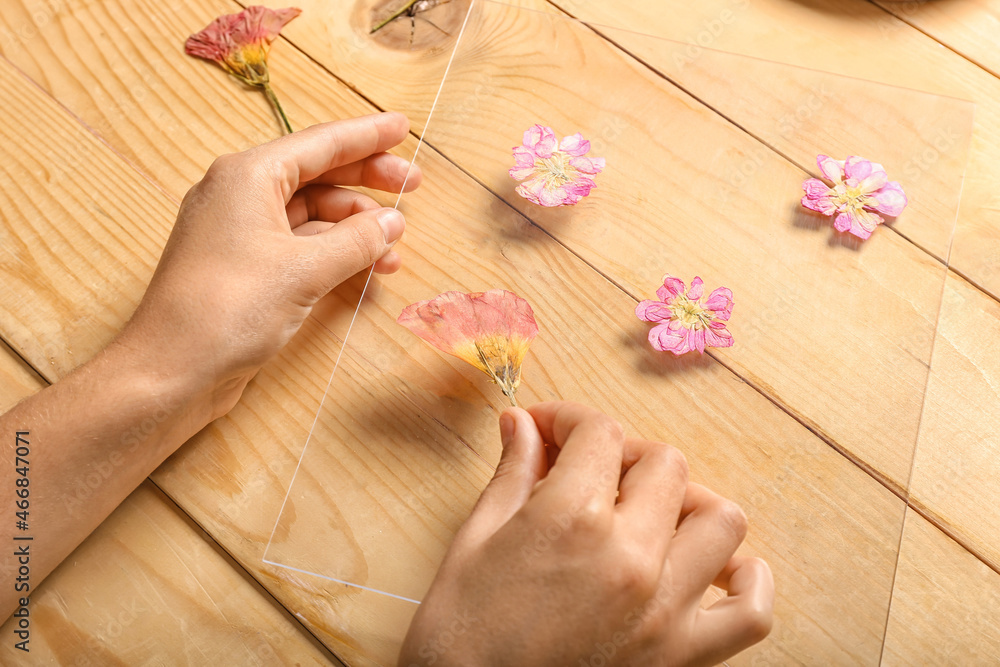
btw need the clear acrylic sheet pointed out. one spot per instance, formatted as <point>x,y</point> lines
<point>705,161</point>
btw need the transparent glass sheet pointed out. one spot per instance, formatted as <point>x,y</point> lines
<point>703,177</point>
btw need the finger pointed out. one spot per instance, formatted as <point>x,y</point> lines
<point>326,203</point>
<point>741,619</point>
<point>590,448</point>
<point>389,263</point>
<point>382,171</point>
<point>309,153</point>
<point>353,244</point>
<point>710,531</point>
<point>522,463</point>
<point>652,493</point>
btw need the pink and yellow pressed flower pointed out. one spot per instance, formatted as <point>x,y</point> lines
<point>490,330</point>
<point>554,173</point>
<point>861,190</point>
<point>239,44</point>
<point>686,322</point>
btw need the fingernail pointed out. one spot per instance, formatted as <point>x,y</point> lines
<point>392,224</point>
<point>507,426</point>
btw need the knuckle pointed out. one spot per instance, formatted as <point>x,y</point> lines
<point>592,517</point>
<point>757,621</point>
<point>638,574</point>
<point>732,517</point>
<point>224,164</point>
<point>366,242</point>
<point>611,427</point>
<point>672,461</point>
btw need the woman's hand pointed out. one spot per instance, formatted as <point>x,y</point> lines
<point>601,558</point>
<point>259,240</point>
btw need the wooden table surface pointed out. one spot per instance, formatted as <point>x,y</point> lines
<point>871,482</point>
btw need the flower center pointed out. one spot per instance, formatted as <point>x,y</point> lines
<point>690,313</point>
<point>851,199</point>
<point>557,168</point>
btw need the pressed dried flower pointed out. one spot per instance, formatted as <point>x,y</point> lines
<point>490,330</point>
<point>861,190</point>
<point>686,322</point>
<point>239,44</point>
<point>554,173</point>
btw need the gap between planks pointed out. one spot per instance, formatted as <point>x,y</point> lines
<point>900,15</point>
<point>891,487</point>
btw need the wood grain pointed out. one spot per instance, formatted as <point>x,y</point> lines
<point>44,253</point>
<point>852,38</point>
<point>795,306</point>
<point>236,469</point>
<point>149,587</point>
<point>178,590</point>
<point>956,470</point>
<point>936,574</point>
<point>828,529</point>
<point>670,215</point>
<point>968,27</point>
<point>17,379</point>
<point>120,66</point>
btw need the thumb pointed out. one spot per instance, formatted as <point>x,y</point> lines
<point>522,464</point>
<point>356,242</point>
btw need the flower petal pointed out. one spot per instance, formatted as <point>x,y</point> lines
<point>866,222</point>
<point>490,330</point>
<point>652,311</point>
<point>859,223</point>
<point>832,169</point>
<point>574,145</point>
<point>541,140</point>
<point>844,221</point>
<point>255,26</point>
<point>815,188</point>
<point>558,196</point>
<point>671,288</point>
<point>873,182</point>
<point>697,289</point>
<point>891,199</point>
<point>587,165</point>
<point>718,337</point>
<point>857,168</point>
<point>721,302</point>
<point>665,339</point>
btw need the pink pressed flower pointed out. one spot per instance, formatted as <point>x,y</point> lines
<point>239,44</point>
<point>861,190</point>
<point>554,173</point>
<point>490,330</point>
<point>685,322</point>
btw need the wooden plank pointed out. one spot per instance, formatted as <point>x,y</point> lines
<point>17,379</point>
<point>167,112</point>
<point>794,347</point>
<point>811,335</point>
<point>149,587</point>
<point>968,27</point>
<point>179,588</point>
<point>853,38</point>
<point>814,514</point>
<point>956,471</point>
<point>935,573</point>
<point>94,270</point>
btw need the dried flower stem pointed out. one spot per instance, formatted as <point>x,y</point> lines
<point>395,15</point>
<point>277,105</point>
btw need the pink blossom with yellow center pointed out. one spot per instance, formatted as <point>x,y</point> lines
<point>861,190</point>
<point>490,330</point>
<point>685,321</point>
<point>554,173</point>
